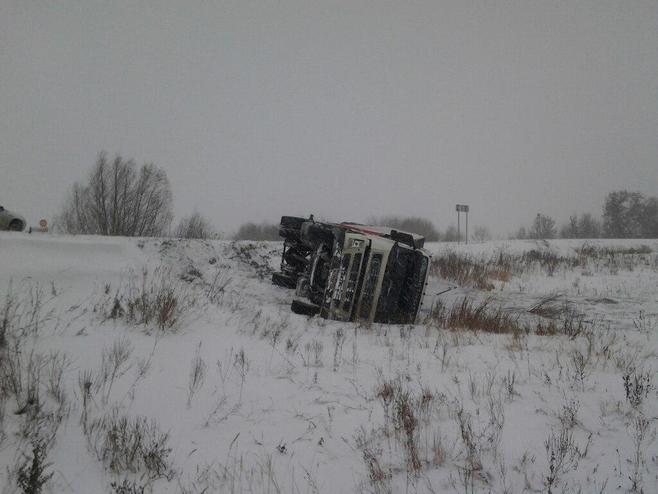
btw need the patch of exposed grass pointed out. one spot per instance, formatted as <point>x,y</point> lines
<point>153,299</point>
<point>466,270</point>
<point>483,316</point>
<point>482,272</point>
<point>127,444</point>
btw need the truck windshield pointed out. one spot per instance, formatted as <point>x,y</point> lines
<point>402,287</point>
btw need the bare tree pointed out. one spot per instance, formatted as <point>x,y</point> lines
<point>630,215</point>
<point>195,226</point>
<point>583,226</point>
<point>570,229</point>
<point>119,199</point>
<point>451,234</point>
<point>622,213</point>
<point>412,224</point>
<point>649,218</point>
<point>588,226</point>
<point>521,234</point>
<point>543,227</point>
<point>481,234</point>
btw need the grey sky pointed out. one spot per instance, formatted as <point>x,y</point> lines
<point>344,109</point>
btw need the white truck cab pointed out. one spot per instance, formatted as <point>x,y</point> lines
<point>351,272</point>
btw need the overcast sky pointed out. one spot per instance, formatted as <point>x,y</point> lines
<point>343,109</point>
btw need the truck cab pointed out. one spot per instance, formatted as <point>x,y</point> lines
<point>352,272</point>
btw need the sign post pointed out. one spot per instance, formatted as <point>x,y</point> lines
<point>459,236</point>
<point>461,208</point>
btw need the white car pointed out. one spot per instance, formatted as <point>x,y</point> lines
<point>11,221</point>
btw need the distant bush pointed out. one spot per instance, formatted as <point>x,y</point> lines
<point>521,234</point>
<point>253,231</point>
<point>451,234</point>
<point>630,215</point>
<point>543,227</point>
<point>119,199</point>
<point>626,214</point>
<point>195,226</point>
<point>583,226</point>
<point>412,224</point>
<point>481,234</point>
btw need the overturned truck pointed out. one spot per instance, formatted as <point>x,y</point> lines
<point>353,272</point>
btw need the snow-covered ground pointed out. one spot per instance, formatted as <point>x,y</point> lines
<point>238,394</point>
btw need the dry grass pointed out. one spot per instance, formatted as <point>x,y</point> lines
<point>468,271</point>
<point>482,272</point>
<point>469,315</point>
<point>153,299</point>
<point>125,444</point>
<point>31,384</point>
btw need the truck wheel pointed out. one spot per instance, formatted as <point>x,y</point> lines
<point>296,258</point>
<point>319,234</point>
<point>290,227</point>
<point>280,279</point>
<point>304,308</point>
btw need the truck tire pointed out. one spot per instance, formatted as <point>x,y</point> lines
<point>296,258</point>
<point>304,308</point>
<point>283,280</point>
<point>290,227</point>
<point>315,234</point>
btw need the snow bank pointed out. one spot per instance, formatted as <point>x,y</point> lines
<point>283,403</point>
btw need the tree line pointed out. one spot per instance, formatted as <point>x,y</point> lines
<point>118,197</point>
<point>625,214</point>
<point>121,198</point>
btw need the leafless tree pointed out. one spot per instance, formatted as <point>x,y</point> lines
<point>630,215</point>
<point>195,226</point>
<point>583,226</point>
<point>411,224</point>
<point>451,234</point>
<point>543,227</point>
<point>481,234</point>
<point>119,199</point>
<point>570,229</point>
<point>521,234</point>
<point>588,226</point>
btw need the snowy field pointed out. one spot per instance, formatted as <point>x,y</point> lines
<point>167,366</point>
